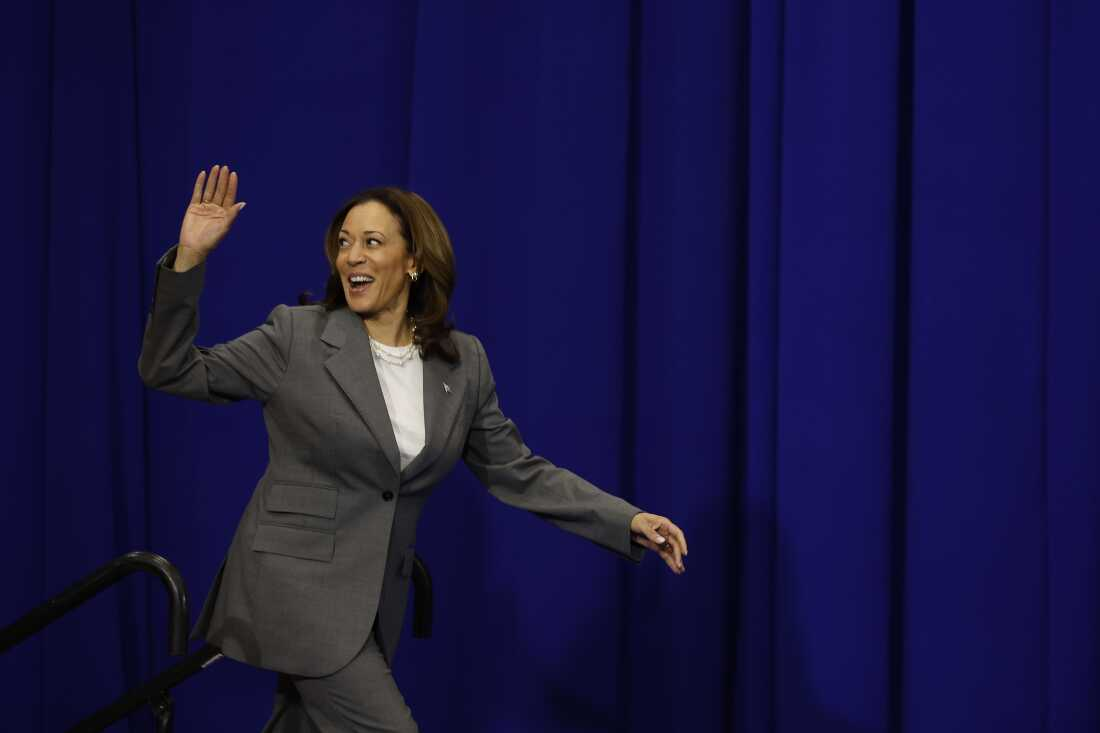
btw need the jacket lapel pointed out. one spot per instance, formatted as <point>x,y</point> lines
<point>352,366</point>
<point>444,386</point>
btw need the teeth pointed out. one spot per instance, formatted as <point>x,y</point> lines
<point>360,279</point>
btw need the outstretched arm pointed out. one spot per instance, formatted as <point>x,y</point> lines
<point>497,455</point>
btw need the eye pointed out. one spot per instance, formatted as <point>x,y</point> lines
<point>342,243</point>
<point>374,242</point>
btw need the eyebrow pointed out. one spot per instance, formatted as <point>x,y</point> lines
<point>366,231</point>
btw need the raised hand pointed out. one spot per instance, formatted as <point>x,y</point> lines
<point>659,534</point>
<point>209,216</point>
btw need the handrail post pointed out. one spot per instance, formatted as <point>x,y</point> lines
<point>163,709</point>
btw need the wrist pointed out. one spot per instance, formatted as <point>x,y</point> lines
<point>186,258</point>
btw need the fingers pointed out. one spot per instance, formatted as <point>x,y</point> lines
<point>665,552</point>
<point>648,544</point>
<point>211,184</point>
<point>662,535</point>
<point>648,525</point>
<point>223,186</point>
<point>231,192</point>
<point>674,561</point>
<point>673,533</point>
<point>670,550</point>
<point>196,193</point>
<point>677,536</point>
<point>219,188</point>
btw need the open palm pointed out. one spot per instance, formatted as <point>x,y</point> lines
<point>212,210</point>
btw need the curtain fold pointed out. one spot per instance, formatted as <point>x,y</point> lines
<point>814,279</point>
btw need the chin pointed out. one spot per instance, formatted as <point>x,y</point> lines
<point>363,313</point>
<point>358,305</point>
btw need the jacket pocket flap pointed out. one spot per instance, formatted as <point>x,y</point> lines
<point>316,501</point>
<point>308,544</point>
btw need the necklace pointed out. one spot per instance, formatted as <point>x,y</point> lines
<point>397,355</point>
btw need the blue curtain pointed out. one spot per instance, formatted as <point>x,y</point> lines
<point>817,279</point>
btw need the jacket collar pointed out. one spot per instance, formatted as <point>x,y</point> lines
<point>352,366</point>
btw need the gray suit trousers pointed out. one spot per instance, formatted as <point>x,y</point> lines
<point>361,696</point>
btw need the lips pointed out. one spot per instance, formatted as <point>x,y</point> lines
<point>359,282</point>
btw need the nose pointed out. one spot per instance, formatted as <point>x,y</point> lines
<point>356,255</point>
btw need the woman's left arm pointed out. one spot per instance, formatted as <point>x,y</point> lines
<point>497,455</point>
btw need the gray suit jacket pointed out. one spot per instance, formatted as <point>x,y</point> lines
<point>326,541</point>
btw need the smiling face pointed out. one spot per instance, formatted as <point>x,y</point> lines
<point>373,262</point>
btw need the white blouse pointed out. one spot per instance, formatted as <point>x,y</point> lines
<point>403,388</point>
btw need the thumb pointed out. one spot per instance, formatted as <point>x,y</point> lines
<point>237,208</point>
<point>650,529</point>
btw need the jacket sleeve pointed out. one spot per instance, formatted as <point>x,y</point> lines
<point>249,367</point>
<point>497,455</point>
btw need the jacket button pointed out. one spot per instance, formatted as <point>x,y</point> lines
<point>387,495</point>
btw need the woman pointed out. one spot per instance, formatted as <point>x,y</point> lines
<point>369,400</point>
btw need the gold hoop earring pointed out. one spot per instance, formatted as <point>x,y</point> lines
<point>413,275</point>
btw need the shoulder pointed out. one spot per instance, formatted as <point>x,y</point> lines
<point>471,355</point>
<point>302,314</point>
<point>470,350</point>
<point>297,320</point>
<point>316,311</point>
<point>298,311</point>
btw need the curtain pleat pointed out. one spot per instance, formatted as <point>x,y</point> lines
<point>816,280</point>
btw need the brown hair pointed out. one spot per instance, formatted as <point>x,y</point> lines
<point>427,241</point>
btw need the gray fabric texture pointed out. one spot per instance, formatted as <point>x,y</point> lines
<point>325,543</point>
<point>362,696</point>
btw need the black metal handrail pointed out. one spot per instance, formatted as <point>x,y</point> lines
<point>155,692</point>
<point>95,583</point>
